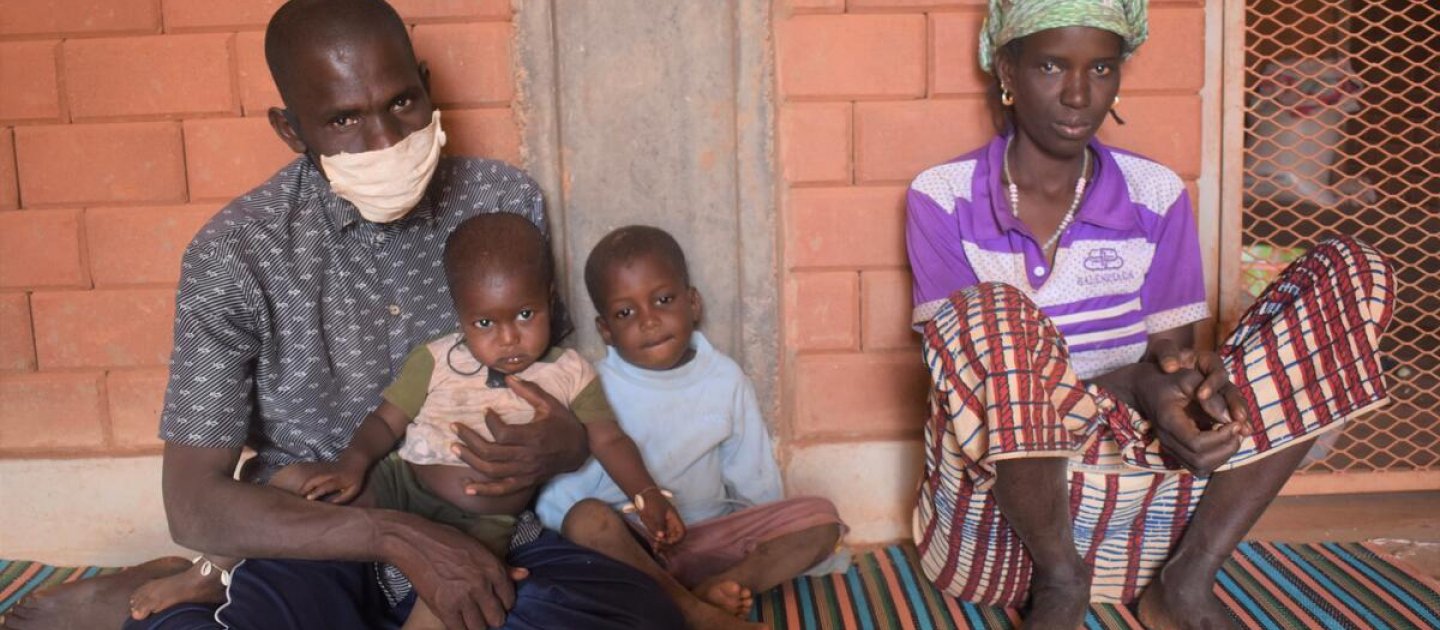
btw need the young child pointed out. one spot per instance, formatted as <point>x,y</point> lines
<point>698,423</point>
<point>501,281</point>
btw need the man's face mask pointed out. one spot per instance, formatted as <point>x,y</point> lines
<point>386,184</point>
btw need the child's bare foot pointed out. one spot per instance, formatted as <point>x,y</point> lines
<point>1183,600</point>
<point>187,587</point>
<point>702,616</point>
<point>94,603</point>
<point>727,595</point>
<point>1059,598</point>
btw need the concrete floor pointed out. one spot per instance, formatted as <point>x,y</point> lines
<point>1405,524</point>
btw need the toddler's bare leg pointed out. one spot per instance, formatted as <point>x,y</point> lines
<point>593,524</point>
<point>771,563</point>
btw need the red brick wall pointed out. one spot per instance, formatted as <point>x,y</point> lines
<point>871,93</point>
<point>124,124</point>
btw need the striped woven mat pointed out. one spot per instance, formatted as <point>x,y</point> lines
<point>1266,585</point>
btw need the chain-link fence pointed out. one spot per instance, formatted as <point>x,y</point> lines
<point>1342,137</point>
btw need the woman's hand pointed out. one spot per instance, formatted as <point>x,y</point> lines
<point>1200,437</point>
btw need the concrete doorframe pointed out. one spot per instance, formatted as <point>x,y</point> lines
<point>648,111</point>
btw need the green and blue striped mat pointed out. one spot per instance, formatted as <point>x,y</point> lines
<point>1266,585</point>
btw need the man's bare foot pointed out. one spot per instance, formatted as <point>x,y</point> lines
<point>1059,599</point>
<point>727,595</point>
<point>1177,600</point>
<point>702,616</point>
<point>187,587</point>
<point>101,602</point>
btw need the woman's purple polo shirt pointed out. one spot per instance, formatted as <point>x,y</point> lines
<point>1128,266</point>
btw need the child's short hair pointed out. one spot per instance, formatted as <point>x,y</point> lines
<point>496,243</point>
<point>627,244</point>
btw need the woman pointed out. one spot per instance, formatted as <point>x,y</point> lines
<point>1074,429</point>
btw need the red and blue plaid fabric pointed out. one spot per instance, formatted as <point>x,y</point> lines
<point>1305,356</point>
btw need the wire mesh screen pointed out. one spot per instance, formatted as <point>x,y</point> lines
<point>1342,138</point>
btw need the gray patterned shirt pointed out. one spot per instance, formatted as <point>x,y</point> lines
<point>293,312</point>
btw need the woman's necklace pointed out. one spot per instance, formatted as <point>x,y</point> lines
<point>1074,203</point>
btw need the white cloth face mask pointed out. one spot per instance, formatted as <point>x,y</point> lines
<point>386,184</point>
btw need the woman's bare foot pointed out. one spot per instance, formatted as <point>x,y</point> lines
<point>727,595</point>
<point>101,602</point>
<point>1183,600</point>
<point>1059,598</point>
<point>187,587</point>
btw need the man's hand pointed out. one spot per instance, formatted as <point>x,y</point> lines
<point>523,455</point>
<point>1200,436</point>
<point>464,584</point>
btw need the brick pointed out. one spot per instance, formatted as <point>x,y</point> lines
<point>257,89</point>
<point>27,70</point>
<point>140,245</point>
<point>470,64</point>
<point>103,328</point>
<point>41,249</point>
<point>885,299</point>
<point>811,6</point>
<point>867,394</point>
<point>1177,64</point>
<point>822,310</point>
<point>136,398</point>
<point>845,227</point>
<point>224,157</point>
<point>489,133</point>
<point>98,163</point>
<point>146,76</point>
<point>1163,128</point>
<point>954,40</point>
<point>891,5</point>
<point>9,184</point>
<point>208,14</point>
<point>51,411</point>
<point>895,141</point>
<point>76,17</point>
<point>845,56</point>
<point>815,142</point>
<point>417,10</point>
<point>17,338</point>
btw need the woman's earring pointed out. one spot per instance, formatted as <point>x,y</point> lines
<point>1116,101</point>
<point>1006,98</point>
<point>1113,113</point>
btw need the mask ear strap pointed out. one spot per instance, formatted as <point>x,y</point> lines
<point>450,358</point>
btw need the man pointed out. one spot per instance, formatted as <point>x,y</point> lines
<point>297,304</point>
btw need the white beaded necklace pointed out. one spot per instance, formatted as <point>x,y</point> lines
<point>1074,203</point>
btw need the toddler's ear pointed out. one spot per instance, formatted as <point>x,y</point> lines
<point>604,330</point>
<point>697,305</point>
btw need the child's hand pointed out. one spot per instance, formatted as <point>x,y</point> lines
<point>334,482</point>
<point>662,521</point>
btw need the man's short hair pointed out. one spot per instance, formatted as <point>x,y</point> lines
<point>627,244</point>
<point>300,26</point>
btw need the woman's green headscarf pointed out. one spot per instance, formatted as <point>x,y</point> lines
<point>1012,19</point>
